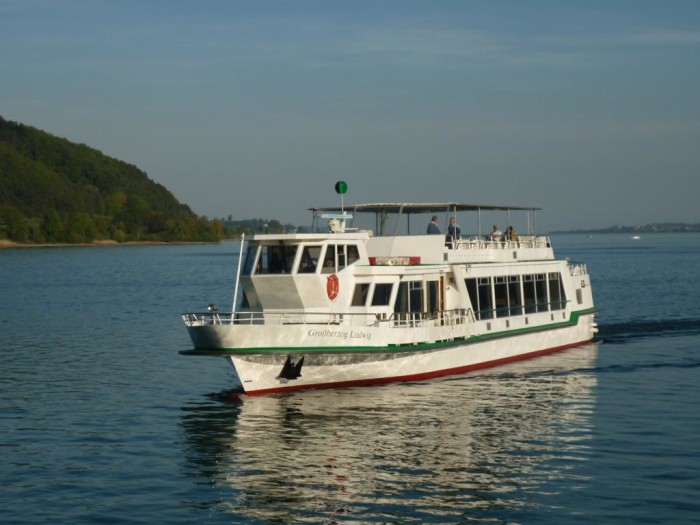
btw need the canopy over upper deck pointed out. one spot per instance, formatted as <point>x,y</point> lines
<point>383,210</point>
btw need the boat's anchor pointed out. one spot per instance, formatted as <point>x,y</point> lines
<point>291,370</point>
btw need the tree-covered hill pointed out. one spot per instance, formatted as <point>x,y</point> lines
<point>52,190</point>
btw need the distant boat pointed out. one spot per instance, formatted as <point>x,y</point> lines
<point>635,237</point>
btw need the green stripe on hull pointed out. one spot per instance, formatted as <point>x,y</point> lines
<point>410,347</point>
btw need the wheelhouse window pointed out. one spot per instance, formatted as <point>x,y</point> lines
<point>250,257</point>
<point>353,254</point>
<point>329,259</point>
<point>276,259</point>
<point>309,259</point>
<point>339,256</point>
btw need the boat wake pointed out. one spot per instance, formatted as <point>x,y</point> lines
<point>620,333</point>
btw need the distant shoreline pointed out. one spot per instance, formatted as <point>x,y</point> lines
<point>7,244</point>
<point>655,227</point>
<point>620,232</point>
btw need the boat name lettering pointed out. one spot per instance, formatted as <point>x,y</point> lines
<point>344,334</point>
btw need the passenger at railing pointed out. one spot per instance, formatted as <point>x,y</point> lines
<point>453,232</point>
<point>511,235</point>
<point>453,229</point>
<point>433,228</point>
<point>496,233</point>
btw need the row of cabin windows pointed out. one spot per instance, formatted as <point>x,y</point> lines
<point>409,297</point>
<point>281,258</point>
<point>510,295</point>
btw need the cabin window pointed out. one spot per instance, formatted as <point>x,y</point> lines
<point>433,296</point>
<point>557,297</point>
<point>409,298</point>
<point>480,296</point>
<point>359,295</point>
<point>501,293</point>
<point>541,292</point>
<point>309,259</point>
<point>382,294</point>
<point>473,292</point>
<point>535,293</point>
<point>277,258</point>
<point>529,294</point>
<point>514,296</point>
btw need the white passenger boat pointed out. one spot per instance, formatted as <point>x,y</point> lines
<point>359,307</point>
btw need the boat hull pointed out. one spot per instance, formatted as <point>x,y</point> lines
<point>284,370</point>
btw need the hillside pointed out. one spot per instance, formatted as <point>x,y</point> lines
<point>54,191</point>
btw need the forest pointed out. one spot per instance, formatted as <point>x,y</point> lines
<point>56,191</point>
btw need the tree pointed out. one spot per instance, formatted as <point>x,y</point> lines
<point>49,182</point>
<point>52,226</point>
<point>14,223</point>
<point>81,228</point>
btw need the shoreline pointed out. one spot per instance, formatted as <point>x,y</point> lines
<point>7,244</point>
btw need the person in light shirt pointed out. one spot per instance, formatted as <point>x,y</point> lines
<point>496,233</point>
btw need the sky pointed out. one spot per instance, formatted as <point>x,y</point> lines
<point>254,109</point>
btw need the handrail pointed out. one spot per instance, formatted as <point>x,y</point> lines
<point>410,319</point>
<point>576,268</point>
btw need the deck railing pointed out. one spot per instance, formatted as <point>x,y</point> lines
<point>577,268</point>
<point>481,243</point>
<point>395,320</point>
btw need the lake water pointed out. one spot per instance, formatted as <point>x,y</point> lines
<point>101,421</point>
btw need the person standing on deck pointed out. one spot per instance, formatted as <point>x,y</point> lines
<point>453,230</point>
<point>433,228</point>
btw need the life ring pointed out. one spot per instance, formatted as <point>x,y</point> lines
<point>332,287</point>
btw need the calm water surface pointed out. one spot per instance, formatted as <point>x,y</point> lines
<point>101,421</point>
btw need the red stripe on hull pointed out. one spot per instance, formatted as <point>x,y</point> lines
<point>419,377</point>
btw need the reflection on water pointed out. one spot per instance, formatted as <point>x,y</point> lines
<point>430,452</point>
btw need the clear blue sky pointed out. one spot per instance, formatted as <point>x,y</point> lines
<point>590,110</point>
